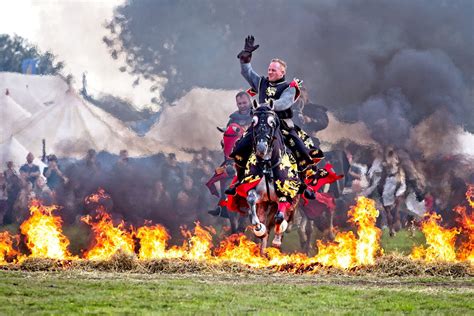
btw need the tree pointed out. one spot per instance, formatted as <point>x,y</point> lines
<point>15,49</point>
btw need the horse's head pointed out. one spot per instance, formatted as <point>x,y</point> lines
<point>231,134</point>
<point>265,126</point>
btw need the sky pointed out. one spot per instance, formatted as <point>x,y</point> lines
<point>73,31</point>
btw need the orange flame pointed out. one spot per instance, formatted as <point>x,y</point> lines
<point>153,242</point>
<point>440,241</point>
<point>108,238</point>
<point>237,248</point>
<point>44,236</point>
<point>466,220</point>
<point>6,247</point>
<point>348,251</point>
<point>96,197</point>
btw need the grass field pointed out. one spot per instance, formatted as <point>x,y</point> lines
<point>76,291</point>
<point>103,292</point>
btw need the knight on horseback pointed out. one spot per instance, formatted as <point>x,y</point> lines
<point>275,88</point>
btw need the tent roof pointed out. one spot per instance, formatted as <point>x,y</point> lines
<point>69,124</point>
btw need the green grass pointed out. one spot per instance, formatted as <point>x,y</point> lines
<point>81,292</point>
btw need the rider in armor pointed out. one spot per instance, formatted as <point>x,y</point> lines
<point>284,95</point>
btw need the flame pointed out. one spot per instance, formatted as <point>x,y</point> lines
<point>153,242</point>
<point>348,251</point>
<point>96,197</point>
<point>364,215</point>
<point>200,242</point>
<point>44,236</point>
<point>466,220</point>
<point>440,241</point>
<point>6,247</point>
<point>341,253</point>
<point>109,239</point>
<point>238,248</point>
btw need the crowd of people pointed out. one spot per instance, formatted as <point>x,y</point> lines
<point>160,188</point>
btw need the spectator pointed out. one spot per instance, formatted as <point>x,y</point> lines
<point>43,192</point>
<point>3,197</point>
<point>187,202</point>
<point>30,170</point>
<point>54,176</point>
<point>14,185</point>
<point>20,207</point>
<point>160,203</point>
<point>172,175</point>
<point>91,161</point>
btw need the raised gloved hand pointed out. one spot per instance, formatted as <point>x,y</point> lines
<point>246,54</point>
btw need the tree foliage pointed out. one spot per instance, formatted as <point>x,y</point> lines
<point>15,49</point>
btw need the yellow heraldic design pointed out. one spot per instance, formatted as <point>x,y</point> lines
<point>309,143</point>
<point>289,187</point>
<point>271,91</point>
<point>251,162</point>
<point>302,134</point>
<point>251,178</point>
<point>288,162</point>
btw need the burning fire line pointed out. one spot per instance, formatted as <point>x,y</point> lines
<point>44,239</point>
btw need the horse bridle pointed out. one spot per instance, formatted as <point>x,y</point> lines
<point>270,136</point>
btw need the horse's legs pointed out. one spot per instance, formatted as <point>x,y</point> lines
<point>330,232</point>
<point>241,224</point>
<point>388,212</point>
<point>281,218</point>
<point>259,228</point>
<point>308,231</point>
<point>396,218</point>
<point>233,218</point>
<point>300,222</point>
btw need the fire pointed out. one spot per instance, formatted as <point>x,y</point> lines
<point>153,242</point>
<point>97,197</point>
<point>440,241</point>
<point>238,248</point>
<point>200,242</point>
<point>364,215</point>
<point>6,247</point>
<point>44,236</point>
<point>348,251</point>
<point>109,239</point>
<point>466,220</point>
<point>341,253</point>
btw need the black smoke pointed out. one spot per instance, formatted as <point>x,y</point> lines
<point>352,55</point>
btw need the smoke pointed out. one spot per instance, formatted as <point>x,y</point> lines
<point>347,52</point>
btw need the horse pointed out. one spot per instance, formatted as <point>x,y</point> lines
<point>224,175</point>
<point>269,193</point>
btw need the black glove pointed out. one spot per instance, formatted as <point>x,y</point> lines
<point>246,54</point>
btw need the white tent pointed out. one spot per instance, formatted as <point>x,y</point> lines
<point>12,150</point>
<point>69,125</point>
<point>191,122</point>
<point>10,114</point>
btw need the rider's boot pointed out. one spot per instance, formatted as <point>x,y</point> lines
<point>282,209</point>
<point>232,190</point>
<point>215,212</point>
<point>307,192</point>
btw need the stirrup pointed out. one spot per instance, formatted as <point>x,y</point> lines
<point>309,194</point>
<point>215,212</point>
<point>231,190</point>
